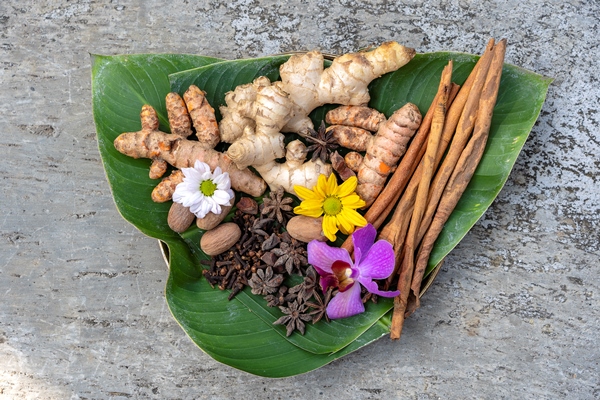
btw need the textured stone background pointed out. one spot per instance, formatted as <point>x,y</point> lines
<point>513,314</point>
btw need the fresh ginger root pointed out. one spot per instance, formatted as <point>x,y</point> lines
<point>257,113</point>
<point>344,82</point>
<point>385,149</point>
<point>176,150</point>
<point>295,171</point>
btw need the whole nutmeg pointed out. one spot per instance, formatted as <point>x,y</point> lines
<point>220,239</point>
<point>211,220</point>
<point>180,218</point>
<point>305,228</point>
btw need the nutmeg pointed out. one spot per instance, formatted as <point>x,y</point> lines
<point>220,239</point>
<point>180,218</point>
<point>211,220</point>
<point>305,228</point>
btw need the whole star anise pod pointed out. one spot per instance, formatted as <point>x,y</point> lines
<point>310,283</point>
<point>293,256</point>
<point>295,315</point>
<point>277,206</point>
<point>322,143</point>
<point>264,282</point>
<point>319,307</point>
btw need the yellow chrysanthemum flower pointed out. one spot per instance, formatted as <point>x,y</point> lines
<point>337,204</point>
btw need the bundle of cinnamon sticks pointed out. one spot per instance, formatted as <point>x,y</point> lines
<point>434,173</point>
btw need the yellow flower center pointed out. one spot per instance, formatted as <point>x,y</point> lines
<point>332,206</point>
<point>208,188</point>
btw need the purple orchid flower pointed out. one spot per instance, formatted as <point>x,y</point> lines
<point>336,268</point>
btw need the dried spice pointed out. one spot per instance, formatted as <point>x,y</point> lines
<point>281,298</point>
<point>322,143</point>
<point>277,206</point>
<point>295,315</point>
<point>319,307</point>
<point>310,283</point>
<point>291,255</point>
<point>264,282</point>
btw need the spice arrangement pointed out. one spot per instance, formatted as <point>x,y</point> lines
<point>316,222</point>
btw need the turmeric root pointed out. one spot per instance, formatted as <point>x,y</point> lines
<point>353,160</point>
<point>351,137</point>
<point>359,116</point>
<point>384,151</point>
<point>176,150</point>
<point>164,190</point>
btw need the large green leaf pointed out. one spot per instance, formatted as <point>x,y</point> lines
<point>239,332</point>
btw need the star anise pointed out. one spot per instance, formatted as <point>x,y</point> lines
<point>280,298</point>
<point>322,142</point>
<point>277,206</point>
<point>295,315</point>
<point>307,289</point>
<point>292,255</point>
<point>319,307</point>
<point>264,282</point>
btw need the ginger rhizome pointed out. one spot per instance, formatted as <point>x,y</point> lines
<point>257,113</point>
<point>176,149</point>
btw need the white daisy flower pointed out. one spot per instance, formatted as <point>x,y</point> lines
<point>203,191</point>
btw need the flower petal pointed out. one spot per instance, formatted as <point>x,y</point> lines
<point>330,227</point>
<point>344,224</point>
<point>346,304</point>
<point>314,213</point>
<point>332,185</point>
<point>363,239</point>
<point>372,288</point>
<point>346,188</point>
<point>354,217</point>
<point>312,205</point>
<point>378,262</point>
<point>306,194</point>
<point>322,256</point>
<point>353,201</point>
<point>221,197</point>
<point>201,167</point>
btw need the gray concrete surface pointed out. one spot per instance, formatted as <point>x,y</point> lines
<point>513,314</point>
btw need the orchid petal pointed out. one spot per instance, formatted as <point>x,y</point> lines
<point>378,262</point>
<point>327,281</point>
<point>372,287</point>
<point>346,304</point>
<point>363,239</point>
<point>322,256</point>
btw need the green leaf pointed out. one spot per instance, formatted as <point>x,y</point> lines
<point>240,332</point>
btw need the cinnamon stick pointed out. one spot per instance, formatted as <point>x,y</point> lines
<point>395,231</point>
<point>463,127</point>
<point>407,266</point>
<point>465,167</point>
